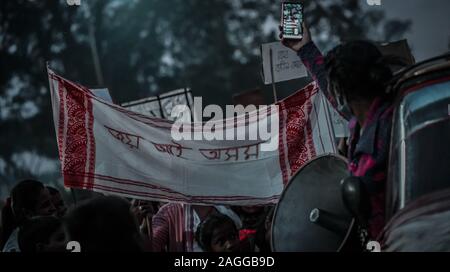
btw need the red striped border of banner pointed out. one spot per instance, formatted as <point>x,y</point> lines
<point>85,159</point>
<point>169,198</point>
<point>289,149</point>
<point>164,191</point>
<point>78,152</point>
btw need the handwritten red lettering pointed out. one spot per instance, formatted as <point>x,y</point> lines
<point>126,138</point>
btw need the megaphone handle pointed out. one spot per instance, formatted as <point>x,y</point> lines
<point>329,221</point>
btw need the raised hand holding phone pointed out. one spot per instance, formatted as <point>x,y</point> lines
<point>296,45</point>
<point>294,33</point>
<point>292,19</point>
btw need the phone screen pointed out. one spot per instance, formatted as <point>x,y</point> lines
<point>292,18</point>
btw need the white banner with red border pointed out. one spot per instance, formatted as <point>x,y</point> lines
<point>109,149</point>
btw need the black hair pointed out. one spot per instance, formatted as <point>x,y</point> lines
<point>104,223</point>
<point>53,191</point>
<point>37,230</point>
<point>251,220</point>
<point>60,205</point>
<point>24,197</point>
<point>358,71</point>
<point>205,230</point>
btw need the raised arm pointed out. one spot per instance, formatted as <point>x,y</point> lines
<point>313,60</point>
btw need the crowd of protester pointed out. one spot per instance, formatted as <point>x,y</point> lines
<point>35,218</point>
<point>353,76</point>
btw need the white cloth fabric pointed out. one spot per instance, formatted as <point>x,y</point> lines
<point>108,149</point>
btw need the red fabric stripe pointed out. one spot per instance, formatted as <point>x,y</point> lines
<point>143,184</point>
<point>205,200</point>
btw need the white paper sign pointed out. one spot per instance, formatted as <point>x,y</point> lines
<point>285,63</point>
<point>150,107</point>
<point>162,108</point>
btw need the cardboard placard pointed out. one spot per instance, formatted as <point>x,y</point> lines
<point>284,63</point>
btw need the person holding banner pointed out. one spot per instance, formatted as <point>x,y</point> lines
<point>353,76</point>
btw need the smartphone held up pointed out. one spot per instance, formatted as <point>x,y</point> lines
<point>291,20</point>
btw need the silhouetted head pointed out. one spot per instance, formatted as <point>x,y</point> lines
<point>358,72</point>
<point>218,233</point>
<point>252,216</point>
<point>57,201</point>
<point>42,234</point>
<point>28,198</point>
<point>102,224</point>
